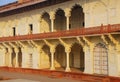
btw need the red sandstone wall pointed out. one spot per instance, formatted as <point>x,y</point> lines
<point>21,1</point>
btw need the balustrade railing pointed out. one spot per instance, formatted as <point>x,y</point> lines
<point>66,33</point>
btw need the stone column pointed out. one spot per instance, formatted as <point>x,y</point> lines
<point>10,57</point>
<point>52,18</point>
<point>91,59</point>
<point>52,50</point>
<point>67,50</point>
<point>16,51</point>
<point>67,14</point>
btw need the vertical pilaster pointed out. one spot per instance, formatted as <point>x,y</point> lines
<point>87,59</point>
<point>92,58</point>
<point>39,56</point>
<point>52,18</point>
<point>112,61</point>
<point>118,58</point>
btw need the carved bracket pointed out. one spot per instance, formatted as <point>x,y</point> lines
<point>47,42</point>
<point>113,39</point>
<point>5,45</point>
<point>52,47</point>
<point>2,47</point>
<point>13,45</point>
<point>29,42</point>
<point>104,39</point>
<point>67,46</point>
<point>63,42</point>
<point>80,41</point>
<point>21,44</point>
<point>87,41</point>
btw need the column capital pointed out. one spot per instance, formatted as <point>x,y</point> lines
<point>10,50</point>
<point>52,49</point>
<point>113,39</point>
<point>67,49</point>
<point>16,49</point>
<point>52,15</point>
<point>67,12</point>
<point>87,41</point>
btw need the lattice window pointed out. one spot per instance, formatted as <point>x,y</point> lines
<point>100,59</point>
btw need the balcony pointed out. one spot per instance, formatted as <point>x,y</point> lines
<point>67,33</point>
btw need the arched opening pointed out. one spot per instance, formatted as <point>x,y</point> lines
<point>45,23</point>
<point>60,20</point>
<point>60,57</point>
<point>20,58</point>
<point>100,59</point>
<point>13,57</point>
<point>77,57</point>
<point>77,17</point>
<point>46,57</point>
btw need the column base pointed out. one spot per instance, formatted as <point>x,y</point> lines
<point>67,70</point>
<point>52,68</point>
<point>10,65</point>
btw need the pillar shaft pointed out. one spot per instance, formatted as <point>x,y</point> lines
<point>68,22</point>
<point>52,17</point>
<point>52,50</point>
<point>67,14</point>
<point>52,61</point>
<point>52,25</point>
<point>67,50</point>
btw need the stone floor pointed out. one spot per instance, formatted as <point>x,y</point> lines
<point>20,77</point>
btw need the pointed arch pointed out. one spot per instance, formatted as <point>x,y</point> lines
<point>45,22</point>
<point>60,56</point>
<point>60,20</point>
<point>77,17</point>
<point>77,57</point>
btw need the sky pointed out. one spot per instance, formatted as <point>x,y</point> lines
<point>3,2</point>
